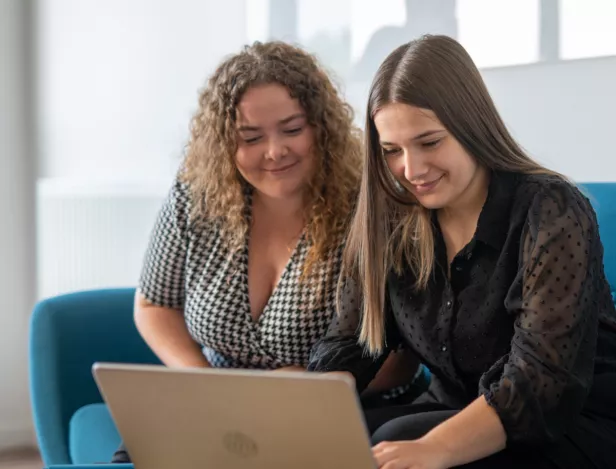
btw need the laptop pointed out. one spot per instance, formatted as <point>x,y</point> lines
<point>228,419</point>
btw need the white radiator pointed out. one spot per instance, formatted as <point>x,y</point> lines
<point>92,235</point>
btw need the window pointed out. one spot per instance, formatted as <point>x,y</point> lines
<point>587,28</point>
<point>499,33</point>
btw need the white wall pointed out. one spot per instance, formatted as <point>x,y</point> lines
<point>118,81</point>
<point>16,233</point>
<point>93,235</point>
<point>562,113</point>
<point>117,84</point>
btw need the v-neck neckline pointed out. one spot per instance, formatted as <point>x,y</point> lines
<point>244,268</point>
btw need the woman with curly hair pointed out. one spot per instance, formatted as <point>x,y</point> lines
<point>243,261</point>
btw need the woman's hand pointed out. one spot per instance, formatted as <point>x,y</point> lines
<point>474,433</point>
<point>416,454</point>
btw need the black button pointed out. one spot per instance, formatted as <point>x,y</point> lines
<point>459,268</point>
<point>444,348</point>
<point>449,304</point>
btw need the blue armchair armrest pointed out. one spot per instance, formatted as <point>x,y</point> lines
<point>68,334</point>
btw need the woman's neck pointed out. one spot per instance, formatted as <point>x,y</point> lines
<point>459,221</point>
<point>281,214</point>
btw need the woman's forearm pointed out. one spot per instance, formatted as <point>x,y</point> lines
<point>475,433</point>
<point>164,330</point>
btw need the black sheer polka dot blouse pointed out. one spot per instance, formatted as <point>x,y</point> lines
<point>525,318</point>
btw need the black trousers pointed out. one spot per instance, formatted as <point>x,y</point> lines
<point>410,422</point>
<point>589,443</point>
<point>121,455</point>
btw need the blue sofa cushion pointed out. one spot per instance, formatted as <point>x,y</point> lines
<point>93,437</point>
<point>602,195</point>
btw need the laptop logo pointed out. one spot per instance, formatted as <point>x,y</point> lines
<point>240,444</point>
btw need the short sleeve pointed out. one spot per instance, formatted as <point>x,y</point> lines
<point>540,387</point>
<point>340,349</point>
<point>164,268</point>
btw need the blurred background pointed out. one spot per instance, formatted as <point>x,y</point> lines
<point>96,98</point>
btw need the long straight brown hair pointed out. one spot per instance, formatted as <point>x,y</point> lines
<point>389,227</point>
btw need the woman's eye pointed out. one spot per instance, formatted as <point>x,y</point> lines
<point>390,151</point>
<point>431,143</point>
<point>252,140</point>
<point>293,131</point>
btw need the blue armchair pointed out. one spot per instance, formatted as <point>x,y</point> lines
<point>67,335</point>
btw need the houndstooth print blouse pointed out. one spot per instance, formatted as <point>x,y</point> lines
<point>188,267</point>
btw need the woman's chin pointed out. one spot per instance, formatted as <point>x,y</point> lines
<point>282,191</point>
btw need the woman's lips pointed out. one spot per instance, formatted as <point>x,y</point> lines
<point>426,187</point>
<point>282,169</point>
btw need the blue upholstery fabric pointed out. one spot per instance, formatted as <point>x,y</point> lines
<point>93,436</point>
<point>603,198</point>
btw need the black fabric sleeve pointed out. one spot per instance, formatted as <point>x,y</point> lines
<point>340,349</point>
<point>540,387</point>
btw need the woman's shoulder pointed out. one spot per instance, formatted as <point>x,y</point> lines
<point>533,185</point>
<point>180,192</point>
<point>536,190</point>
<point>543,198</point>
<point>181,201</point>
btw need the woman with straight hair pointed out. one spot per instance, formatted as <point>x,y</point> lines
<point>484,263</point>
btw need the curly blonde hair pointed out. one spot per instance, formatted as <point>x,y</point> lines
<point>216,185</point>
